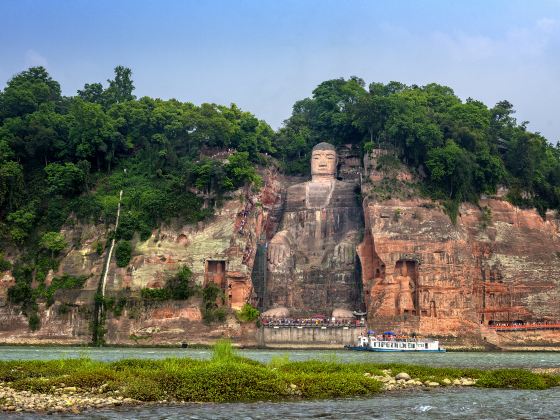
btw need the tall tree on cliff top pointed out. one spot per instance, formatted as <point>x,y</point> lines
<point>26,91</point>
<point>119,90</point>
<point>121,87</point>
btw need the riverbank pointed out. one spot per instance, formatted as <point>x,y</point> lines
<point>75,385</point>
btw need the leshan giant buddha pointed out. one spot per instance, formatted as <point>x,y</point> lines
<point>312,258</point>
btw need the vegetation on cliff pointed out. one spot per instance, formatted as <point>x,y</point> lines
<point>63,156</point>
<point>227,377</point>
<point>460,149</point>
<point>64,159</point>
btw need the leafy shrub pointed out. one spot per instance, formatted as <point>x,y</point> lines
<point>123,253</point>
<point>226,382</point>
<point>63,309</point>
<point>179,284</point>
<point>99,248</point>
<point>43,265</point>
<point>90,378</point>
<point>155,294</point>
<point>485,218</point>
<point>144,389</point>
<point>248,313</point>
<point>53,242</point>
<point>119,306</point>
<point>40,385</point>
<point>210,310</point>
<point>64,282</point>
<point>211,293</point>
<point>20,293</point>
<point>451,208</point>
<point>128,224</point>
<point>34,321</point>
<point>5,265</point>
<point>512,378</point>
<point>334,385</point>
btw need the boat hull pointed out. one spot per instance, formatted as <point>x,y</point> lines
<point>359,348</point>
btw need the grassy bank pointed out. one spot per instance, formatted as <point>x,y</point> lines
<point>228,377</point>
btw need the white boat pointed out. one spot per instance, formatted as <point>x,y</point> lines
<point>389,342</point>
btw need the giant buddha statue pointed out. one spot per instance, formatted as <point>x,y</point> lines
<point>312,258</point>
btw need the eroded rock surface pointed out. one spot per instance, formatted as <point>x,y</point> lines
<point>423,274</point>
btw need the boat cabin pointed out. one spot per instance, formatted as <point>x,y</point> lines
<point>373,343</point>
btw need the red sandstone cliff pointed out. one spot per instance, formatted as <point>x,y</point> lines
<point>423,274</point>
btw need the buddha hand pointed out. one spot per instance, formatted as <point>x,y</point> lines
<point>279,248</point>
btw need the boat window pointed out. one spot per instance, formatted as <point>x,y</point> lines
<point>426,345</point>
<point>410,345</point>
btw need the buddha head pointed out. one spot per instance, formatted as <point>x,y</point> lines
<point>323,161</point>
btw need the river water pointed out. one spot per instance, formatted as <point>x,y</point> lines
<point>454,359</point>
<point>430,403</point>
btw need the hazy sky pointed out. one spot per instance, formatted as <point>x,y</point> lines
<point>264,55</point>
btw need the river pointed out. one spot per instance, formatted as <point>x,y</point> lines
<point>425,403</point>
<point>454,359</point>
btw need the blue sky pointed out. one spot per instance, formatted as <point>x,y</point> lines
<point>264,55</point>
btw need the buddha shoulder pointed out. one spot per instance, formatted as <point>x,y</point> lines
<point>344,194</point>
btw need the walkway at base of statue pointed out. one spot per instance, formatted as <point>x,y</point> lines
<point>311,322</point>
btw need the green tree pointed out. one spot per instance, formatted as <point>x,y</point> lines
<point>20,223</point>
<point>93,92</point>
<point>123,253</point>
<point>241,171</point>
<point>53,242</point>
<point>451,169</point>
<point>26,91</point>
<point>247,313</point>
<point>179,284</point>
<point>11,185</point>
<point>66,179</point>
<point>92,134</point>
<point>121,87</point>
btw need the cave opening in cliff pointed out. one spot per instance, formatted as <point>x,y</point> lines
<point>215,273</point>
<point>406,275</point>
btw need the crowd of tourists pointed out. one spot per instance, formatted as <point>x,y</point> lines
<point>269,321</point>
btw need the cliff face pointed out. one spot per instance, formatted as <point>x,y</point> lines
<point>420,272</point>
<point>220,250</point>
<point>423,274</point>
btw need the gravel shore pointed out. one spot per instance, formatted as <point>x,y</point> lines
<point>66,399</point>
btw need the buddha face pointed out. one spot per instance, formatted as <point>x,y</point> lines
<point>323,163</point>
